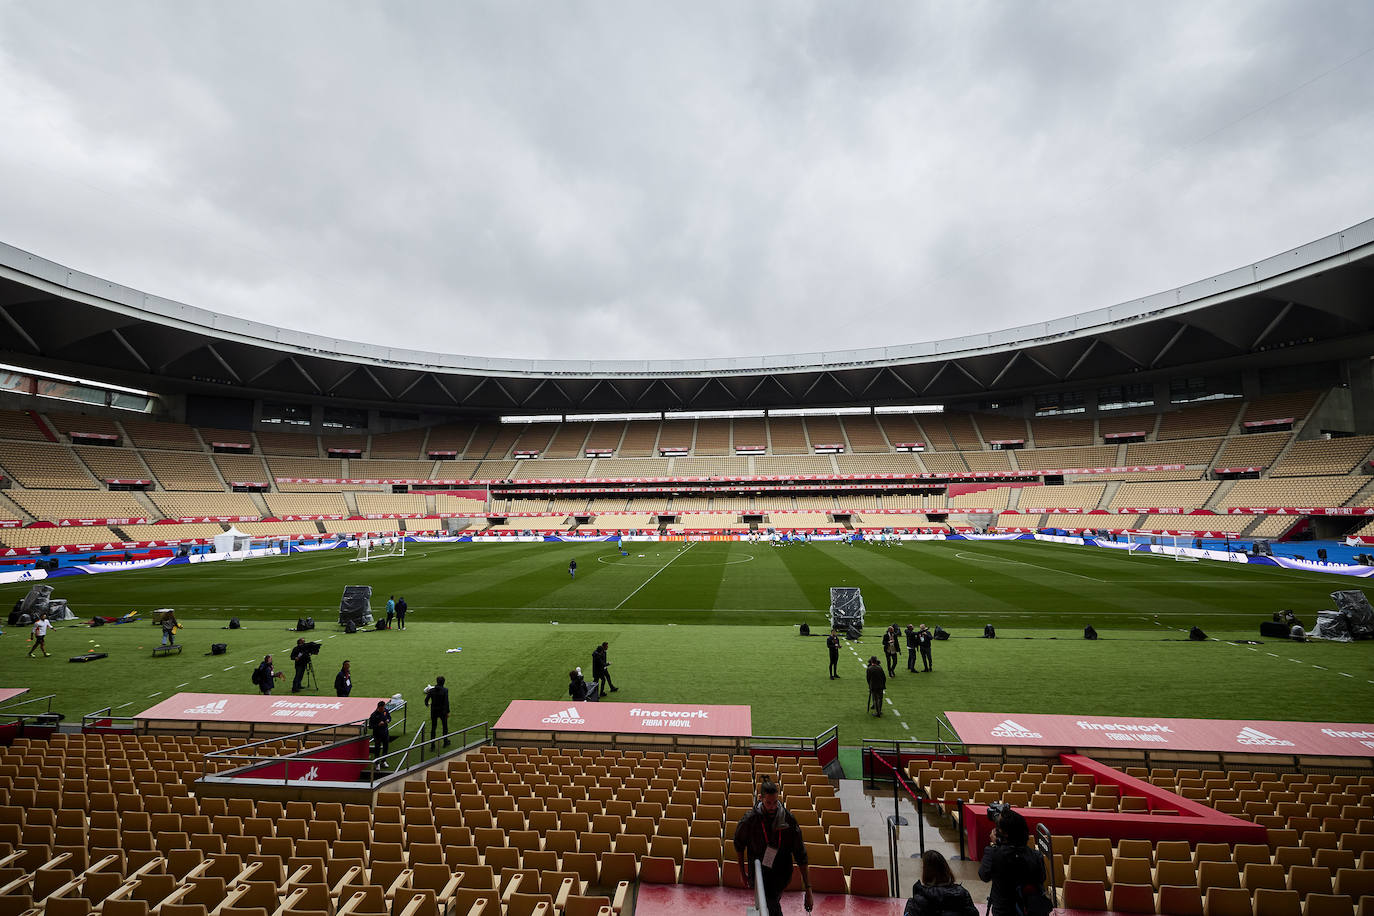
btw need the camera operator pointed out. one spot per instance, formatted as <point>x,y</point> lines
<point>300,655</point>
<point>1016,871</point>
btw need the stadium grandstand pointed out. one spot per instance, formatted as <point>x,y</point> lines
<point>1238,410</point>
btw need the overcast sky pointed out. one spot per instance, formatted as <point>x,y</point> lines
<point>651,180</point>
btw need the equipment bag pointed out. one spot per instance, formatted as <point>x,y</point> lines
<point>218,648</point>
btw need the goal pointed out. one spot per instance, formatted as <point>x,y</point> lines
<point>379,548</point>
<point>1169,546</point>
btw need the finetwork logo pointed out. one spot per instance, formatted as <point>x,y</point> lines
<point>206,709</point>
<point>569,716</point>
<point>1009,729</point>
<point>1253,737</point>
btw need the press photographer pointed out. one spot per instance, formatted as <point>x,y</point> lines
<point>1016,871</point>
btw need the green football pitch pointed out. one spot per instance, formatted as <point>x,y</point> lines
<point>719,623</point>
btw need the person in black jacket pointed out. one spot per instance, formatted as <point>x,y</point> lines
<point>265,675</point>
<point>380,723</point>
<point>401,608</point>
<point>1015,870</point>
<point>343,681</point>
<point>300,657</point>
<point>436,698</point>
<point>877,683</point>
<point>832,643</point>
<point>769,833</point>
<point>923,642</point>
<point>937,893</point>
<point>601,669</point>
<point>911,648</point>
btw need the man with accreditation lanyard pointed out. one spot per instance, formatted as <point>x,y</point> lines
<point>769,834</point>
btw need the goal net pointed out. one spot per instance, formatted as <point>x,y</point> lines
<point>1169,546</point>
<point>379,548</point>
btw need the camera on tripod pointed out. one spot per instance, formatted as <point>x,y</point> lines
<point>311,648</point>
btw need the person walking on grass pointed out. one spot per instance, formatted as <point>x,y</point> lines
<point>877,683</point>
<point>40,633</point>
<point>572,569</point>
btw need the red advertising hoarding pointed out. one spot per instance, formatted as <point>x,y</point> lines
<point>1254,736</point>
<point>309,712</point>
<point>628,718</point>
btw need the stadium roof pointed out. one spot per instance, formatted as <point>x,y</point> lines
<point>1310,304</point>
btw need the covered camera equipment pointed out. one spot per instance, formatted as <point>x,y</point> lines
<point>305,623</point>
<point>846,609</point>
<point>940,632</point>
<point>356,606</point>
<point>989,632</point>
<point>1089,632</point>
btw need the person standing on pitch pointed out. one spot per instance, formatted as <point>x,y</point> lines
<point>300,656</point>
<point>343,681</point>
<point>572,569</point>
<point>41,626</point>
<point>911,644</point>
<point>769,834</point>
<point>401,608</point>
<point>892,648</point>
<point>877,683</point>
<point>436,698</point>
<point>923,642</point>
<point>601,669</point>
<point>832,644</point>
<point>390,610</point>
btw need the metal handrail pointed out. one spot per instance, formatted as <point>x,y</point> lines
<point>760,901</point>
<point>20,716</point>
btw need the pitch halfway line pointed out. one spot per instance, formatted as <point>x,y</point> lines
<point>677,555</point>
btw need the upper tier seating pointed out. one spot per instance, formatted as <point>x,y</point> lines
<point>1211,419</point>
<point>242,469</point>
<point>988,461</point>
<point>184,471</point>
<point>1196,452</point>
<point>807,502</point>
<point>210,435</point>
<point>995,498</point>
<point>197,505</point>
<point>961,430</point>
<point>533,437</point>
<point>456,469</point>
<point>1092,456</point>
<point>865,435</point>
<point>1050,432</point>
<point>641,438</point>
<point>611,521</point>
<point>392,469</point>
<point>544,468</point>
<point>629,467</point>
<point>1118,424</point>
<point>493,441</point>
<point>296,445</point>
<point>19,424</point>
<point>891,463</point>
<point>1254,451</point>
<point>359,526</point>
<point>444,504</point>
<point>997,427</point>
<point>568,440</point>
<point>327,468</point>
<point>824,431</point>
<point>576,505</point>
<point>709,467</point>
<point>344,442</point>
<point>392,504</point>
<point>749,431</point>
<point>713,438</point>
<point>155,434</point>
<point>801,520</point>
<point>1188,494</point>
<point>108,463</point>
<point>1281,406</point>
<point>607,434</point>
<point>787,436</point>
<point>1314,457</point>
<point>768,466</point>
<point>943,462</point>
<point>53,505</point>
<point>451,437</point>
<point>280,504</point>
<point>403,445</point>
<point>67,424</point>
<point>495,469</point>
<point>706,520</point>
<point>40,464</point>
<point>1316,492</point>
<point>1069,496</point>
<point>902,428</point>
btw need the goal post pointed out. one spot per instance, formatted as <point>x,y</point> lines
<point>1181,544</point>
<point>379,548</point>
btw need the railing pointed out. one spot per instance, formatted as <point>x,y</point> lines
<point>899,785</point>
<point>899,749</point>
<point>760,901</point>
<point>20,719</point>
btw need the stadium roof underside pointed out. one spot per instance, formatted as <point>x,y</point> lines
<point>1311,304</point>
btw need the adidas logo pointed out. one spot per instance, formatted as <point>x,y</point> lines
<point>569,716</point>
<point>1009,729</point>
<point>206,709</point>
<point>1253,737</point>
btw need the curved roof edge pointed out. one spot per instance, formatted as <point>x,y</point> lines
<point>1340,247</point>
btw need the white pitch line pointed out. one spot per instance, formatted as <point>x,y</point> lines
<point>1048,569</point>
<point>1343,674</point>
<point>231,668</point>
<point>121,706</point>
<point>204,676</point>
<point>187,684</point>
<point>675,558</point>
<point>1319,667</point>
<point>155,693</point>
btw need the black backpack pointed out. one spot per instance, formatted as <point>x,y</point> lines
<point>257,677</point>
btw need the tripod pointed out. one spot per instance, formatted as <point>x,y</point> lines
<point>310,673</point>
